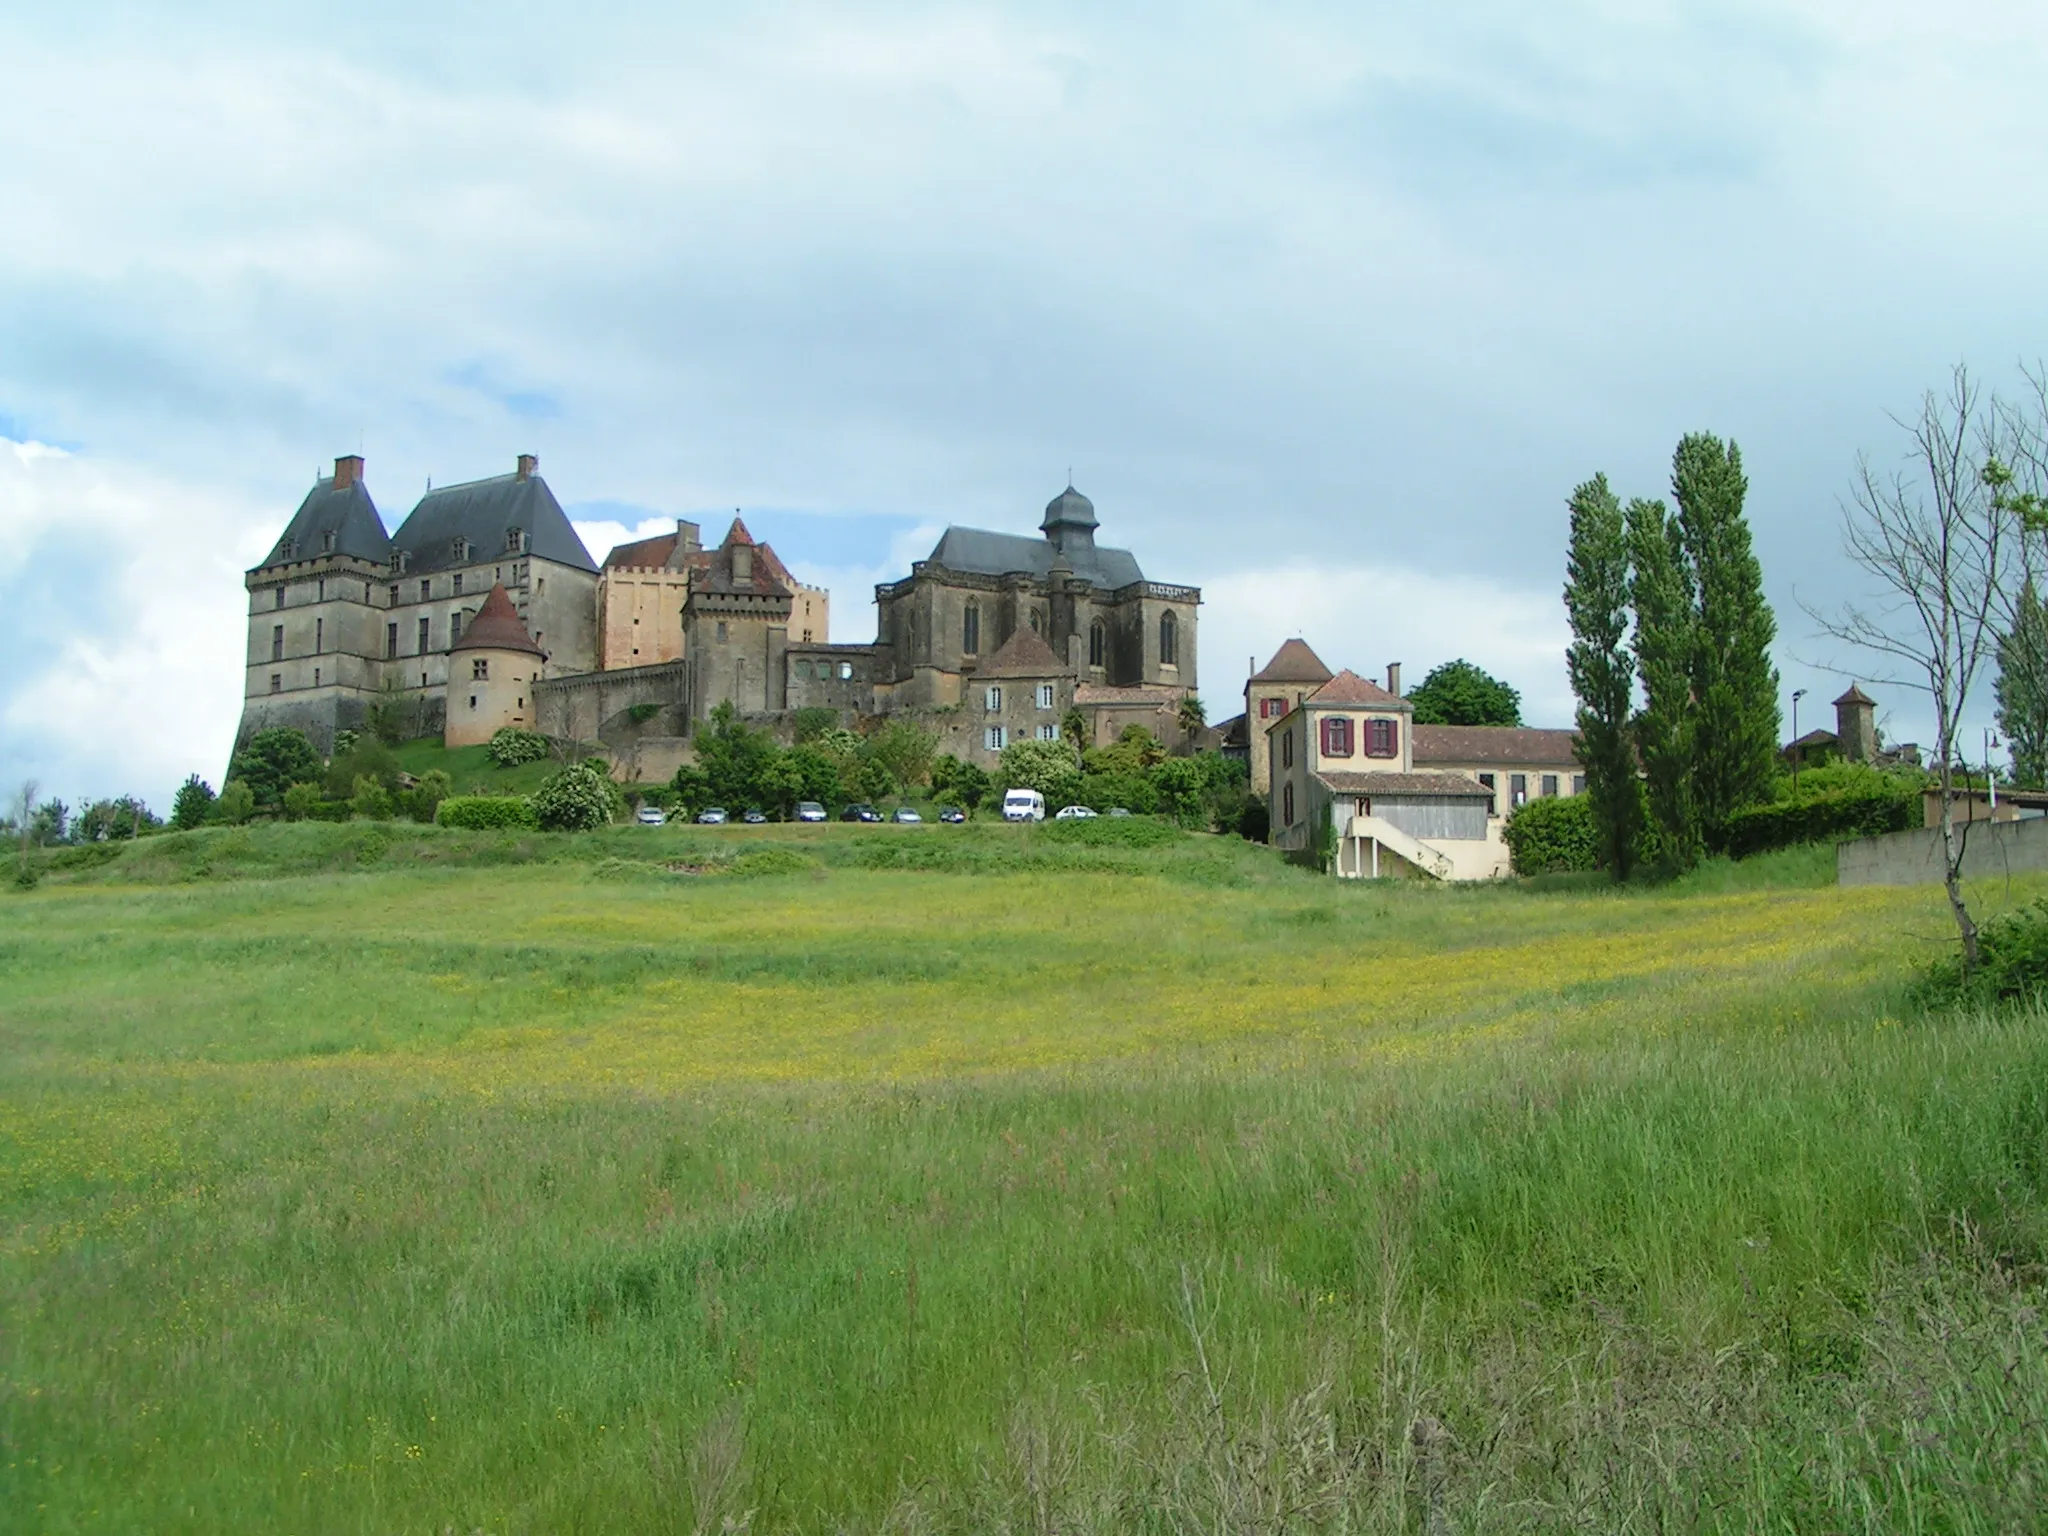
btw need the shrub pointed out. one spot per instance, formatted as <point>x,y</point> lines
<point>814,721</point>
<point>345,742</point>
<point>509,746</point>
<point>2012,963</point>
<point>487,813</point>
<point>578,799</point>
<point>772,861</point>
<point>1112,832</point>
<point>370,800</point>
<point>425,797</point>
<point>1552,835</point>
<point>302,802</point>
<point>640,714</point>
<point>237,803</point>
<point>1859,812</point>
<point>26,876</point>
<point>1046,766</point>
<point>192,805</point>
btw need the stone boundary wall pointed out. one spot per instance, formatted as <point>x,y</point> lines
<point>1994,849</point>
<point>591,706</point>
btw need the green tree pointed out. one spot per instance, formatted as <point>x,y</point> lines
<point>369,800</point>
<point>303,802</point>
<point>1734,685</point>
<point>2021,689</point>
<point>1074,729</point>
<point>425,797</point>
<point>1183,788</point>
<point>691,789</point>
<point>366,758</point>
<point>736,758</point>
<point>192,805</point>
<point>1191,716</point>
<point>1596,599</point>
<point>959,783</point>
<point>1046,766</point>
<point>817,774</point>
<point>814,721</point>
<point>272,761</point>
<point>1459,693</point>
<point>1660,592</point>
<point>904,749</point>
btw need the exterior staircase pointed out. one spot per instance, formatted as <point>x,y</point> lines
<point>1409,849</point>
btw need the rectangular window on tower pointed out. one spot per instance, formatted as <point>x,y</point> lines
<point>992,700</point>
<point>426,589</point>
<point>320,587</point>
<point>1045,695</point>
<point>480,670</point>
<point>390,642</point>
<point>278,595</point>
<point>277,642</point>
<point>426,638</point>
<point>319,636</point>
<point>992,738</point>
<point>277,682</point>
<point>454,628</point>
<point>458,584</point>
<point>316,677</point>
<point>1048,732</point>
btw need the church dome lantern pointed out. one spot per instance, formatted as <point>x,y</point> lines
<point>1069,521</point>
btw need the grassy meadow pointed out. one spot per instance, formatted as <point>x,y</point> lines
<point>391,1179</point>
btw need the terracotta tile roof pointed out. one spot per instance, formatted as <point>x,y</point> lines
<point>1024,654</point>
<point>711,569</point>
<point>1487,744</point>
<point>1448,785</point>
<point>1856,695</point>
<point>643,554</point>
<point>1294,662</point>
<point>497,627</point>
<point>1348,690</point>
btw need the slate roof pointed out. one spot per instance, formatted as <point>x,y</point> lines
<point>1347,690</point>
<point>1442,785</point>
<point>977,552</point>
<point>1024,654</point>
<point>1294,662</point>
<point>497,627</point>
<point>1508,745</point>
<point>1069,509</point>
<point>480,512</point>
<point>1856,695</point>
<point>348,514</point>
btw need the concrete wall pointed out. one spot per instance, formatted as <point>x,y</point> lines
<point>1993,849</point>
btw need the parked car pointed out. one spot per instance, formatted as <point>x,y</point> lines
<point>754,818</point>
<point>905,815</point>
<point>650,816</point>
<point>711,816</point>
<point>953,815</point>
<point>1118,810</point>
<point>860,811</point>
<point>1072,813</point>
<point>1023,805</point>
<point>810,810</point>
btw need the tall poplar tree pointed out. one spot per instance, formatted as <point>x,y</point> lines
<point>1596,597</point>
<point>1734,685</point>
<point>1667,621</point>
<point>2022,689</point>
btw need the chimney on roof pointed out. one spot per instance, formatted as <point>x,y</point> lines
<point>348,470</point>
<point>527,465</point>
<point>688,536</point>
<point>742,563</point>
<point>1394,678</point>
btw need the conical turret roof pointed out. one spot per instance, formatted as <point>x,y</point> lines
<point>498,627</point>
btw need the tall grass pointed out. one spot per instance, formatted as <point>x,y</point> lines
<point>526,1198</point>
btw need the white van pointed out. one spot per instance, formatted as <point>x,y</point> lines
<point>1023,805</point>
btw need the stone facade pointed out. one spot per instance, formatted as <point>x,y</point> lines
<point>991,639</point>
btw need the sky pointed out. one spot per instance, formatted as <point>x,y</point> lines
<point>1327,308</point>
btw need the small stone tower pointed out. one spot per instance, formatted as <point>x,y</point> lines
<point>491,673</point>
<point>1856,725</point>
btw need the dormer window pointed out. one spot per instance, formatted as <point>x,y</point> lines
<point>288,550</point>
<point>460,549</point>
<point>515,541</point>
<point>327,541</point>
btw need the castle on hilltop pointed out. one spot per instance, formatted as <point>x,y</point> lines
<point>484,610</point>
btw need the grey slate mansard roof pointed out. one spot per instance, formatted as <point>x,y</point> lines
<point>348,514</point>
<point>480,512</point>
<point>977,552</point>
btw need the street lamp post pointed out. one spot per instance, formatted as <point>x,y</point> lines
<point>1797,751</point>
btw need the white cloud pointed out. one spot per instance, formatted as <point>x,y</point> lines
<point>143,685</point>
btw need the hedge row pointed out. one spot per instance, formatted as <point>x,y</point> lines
<point>1552,835</point>
<point>1864,812</point>
<point>488,813</point>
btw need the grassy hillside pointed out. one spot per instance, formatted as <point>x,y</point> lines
<point>539,1185</point>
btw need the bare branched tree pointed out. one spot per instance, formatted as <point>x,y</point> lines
<point>1940,544</point>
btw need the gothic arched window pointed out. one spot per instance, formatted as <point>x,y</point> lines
<point>970,629</point>
<point>1037,622</point>
<point>1169,639</point>
<point>1098,645</point>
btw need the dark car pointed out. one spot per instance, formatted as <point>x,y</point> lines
<point>860,811</point>
<point>953,813</point>
<point>754,818</point>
